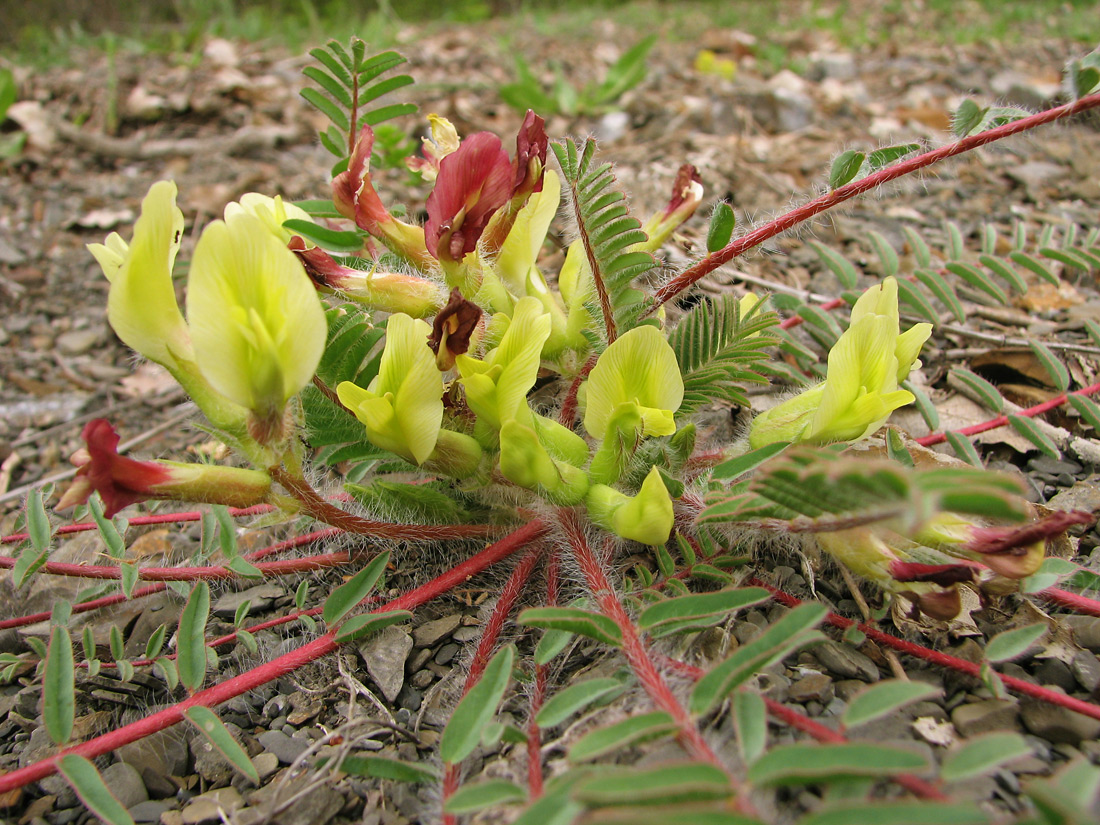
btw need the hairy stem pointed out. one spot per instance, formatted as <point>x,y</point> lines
<point>314,505</point>
<point>837,196</point>
<point>272,670</point>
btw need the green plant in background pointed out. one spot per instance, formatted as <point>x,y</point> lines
<point>10,144</point>
<point>562,97</point>
<point>305,340</point>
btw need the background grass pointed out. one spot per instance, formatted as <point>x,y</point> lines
<point>43,32</point>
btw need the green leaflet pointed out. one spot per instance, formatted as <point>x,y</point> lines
<point>477,708</point>
<point>92,790</point>
<point>210,726</point>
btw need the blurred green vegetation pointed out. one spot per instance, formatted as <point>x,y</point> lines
<point>42,32</point>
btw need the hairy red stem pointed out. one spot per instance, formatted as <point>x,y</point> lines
<point>175,574</point>
<point>142,592</point>
<point>538,693</point>
<point>569,406</point>
<point>1001,420</point>
<point>489,635</point>
<point>804,723</point>
<point>274,669</point>
<point>315,505</point>
<point>636,654</point>
<point>159,518</point>
<point>850,190</point>
<point>1074,601</point>
<point>941,659</point>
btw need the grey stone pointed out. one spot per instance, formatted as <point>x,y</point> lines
<point>446,654</point>
<point>79,341</point>
<point>1086,670</point>
<point>384,655</point>
<point>817,687</point>
<point>1055,672</point>
<point>1086,630</point>
<point>612,126</point>
<point>1019,89</point>
<point>212,805</point>
<point>125,783</point>
<point>1054,466</point>
<point>431,632</point>
<point>284,747</point>
<point>1084,495</point>
<point>421,679</point>
<point>986,716</point>
<point>1057,724</point>
<point>150,810</point>
<point>466,634</point>
<point>1036,173</point>
<point>317,807</point>
<point>843,660</point>
<point>261,597</point>
<point>266,764</point>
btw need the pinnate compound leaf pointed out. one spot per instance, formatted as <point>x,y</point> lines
<point>345,597</point>
<point>1029,429</point>
<point>59,686</point>
<point>364,624</point>
<point>630,731</point>
<point>682,782</point>
<point>92,790</point>
<point>915,812</point>
<point>575,698</point>
<point>210,726</point>
<point>982,755</point>
<point>883,699</point>
<point>477,708</point>
<point>792,630</point>
<point>810,763</point>
<point>1009,644</point>
<point>574,620</point>
<point>470,798</point>
<point>191,638</point>
<point>700,606</point>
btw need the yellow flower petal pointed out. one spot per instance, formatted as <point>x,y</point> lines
<point>257,323</point>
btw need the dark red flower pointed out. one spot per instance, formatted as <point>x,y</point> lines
<point>120,481</point>
<point>530,161</point>
<point>452,329</point>
<point>473,183</point>
<point>687,188</point>
<point>352,190</point>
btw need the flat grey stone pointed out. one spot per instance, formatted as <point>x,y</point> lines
<point>283,746</point>
<point>990,715</point>
<point>79,341</point>
<point>384,655</point>
<point>125,783</point>
<point>431,632</point>
<point>1086,630</point>
<point>261,596</point>
<point>1086,670</point>
<point>844,661</point>
<point>151,809</point>
<point>816,687</point>
<point>1057,724</point>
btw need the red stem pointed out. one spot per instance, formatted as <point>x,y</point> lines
<point>107,601</point>
<point>1073,601</point>
<point>316,506</point>
<point>159,518</point>
<point>837,196</point>
<point>274,669</point>
<point>538,694</point>
<point>489,635</point>
<point>635,652</point>
<point>942,659</point>
<point>1001,420</point>
<point>804,723</point>
<point>175,574</point>
<point>569,406</point>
